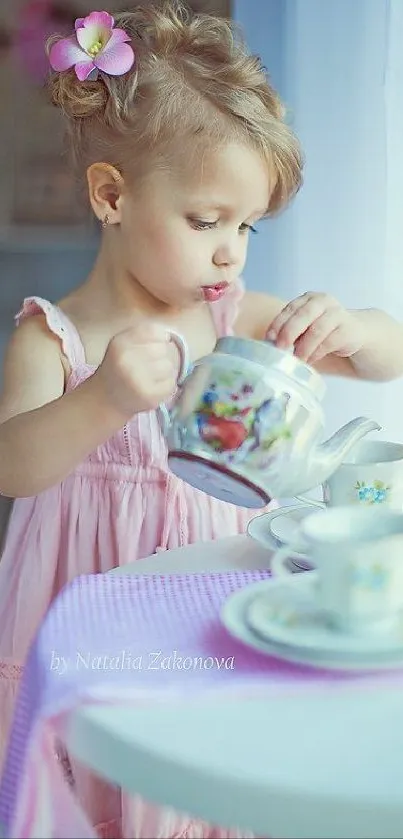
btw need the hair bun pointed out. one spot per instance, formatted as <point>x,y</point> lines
<point>77,100</point>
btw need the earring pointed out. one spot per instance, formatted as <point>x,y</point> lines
<point>105,221</point>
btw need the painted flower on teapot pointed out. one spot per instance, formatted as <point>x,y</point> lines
<point>235,423</point>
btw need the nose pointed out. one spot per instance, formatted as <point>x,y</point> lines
<point>227,255</point>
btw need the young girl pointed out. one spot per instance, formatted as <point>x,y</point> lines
<point>184,148</point>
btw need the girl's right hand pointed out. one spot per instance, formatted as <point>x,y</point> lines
<point>140,369</point>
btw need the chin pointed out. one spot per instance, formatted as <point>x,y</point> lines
<point>188,298</point>
<point>184,298</point>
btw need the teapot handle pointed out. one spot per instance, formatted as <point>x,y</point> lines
<point>184,369</point>
<point>311,502</point>
<point>184,359</point>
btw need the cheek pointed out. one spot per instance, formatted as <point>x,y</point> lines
<point>167,250</point>
<point>181,254</point>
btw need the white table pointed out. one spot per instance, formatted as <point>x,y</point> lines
<point>317,767</point>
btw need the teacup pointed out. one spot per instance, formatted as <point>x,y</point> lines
<point>372,474</point>
<point>359,562</point>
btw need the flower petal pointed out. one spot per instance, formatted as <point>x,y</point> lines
<point>101,19</point>
<point>79,22</point>
<point>65,53</point>
<point>118,36</point>
<point>115,60</point>
<point>84,69</point>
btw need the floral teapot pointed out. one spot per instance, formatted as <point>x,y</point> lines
<point>246,422</point>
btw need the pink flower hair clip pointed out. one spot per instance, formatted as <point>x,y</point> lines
<point>95,46</point>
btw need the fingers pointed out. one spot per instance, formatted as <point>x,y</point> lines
<point>151,338</point>
<point>146,332</point>
<point>151,382</point>
<point>311,325</point>
<point>320,338</point>
<point>140,368</point>
<point>280,329</point>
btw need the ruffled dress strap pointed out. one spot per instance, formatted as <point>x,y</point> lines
<point>225,311</point>
<point>59,324</point>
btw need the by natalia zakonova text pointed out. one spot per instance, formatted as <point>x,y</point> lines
<point>125,660</point>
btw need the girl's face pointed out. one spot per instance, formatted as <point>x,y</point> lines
<point>184,235</point>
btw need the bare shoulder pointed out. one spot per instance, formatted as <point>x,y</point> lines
<point>256,312</point>
<point>33,371</point>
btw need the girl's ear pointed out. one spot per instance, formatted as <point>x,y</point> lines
<point>105,189</point>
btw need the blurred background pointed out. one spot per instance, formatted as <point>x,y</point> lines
<point>338,65</point>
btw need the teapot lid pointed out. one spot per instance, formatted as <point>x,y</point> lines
<point>267,354</point>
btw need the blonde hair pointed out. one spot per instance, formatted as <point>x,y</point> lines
<point>194,84</point>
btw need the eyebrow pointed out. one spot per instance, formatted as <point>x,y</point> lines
<point>226,208</point>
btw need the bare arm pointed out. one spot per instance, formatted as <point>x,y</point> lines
<point>256,314</point>
<point>45,433</point>
<point>379,359</point>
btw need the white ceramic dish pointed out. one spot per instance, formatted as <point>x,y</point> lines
<point>264,529</point>
<point>288,615</point>
<point>235,616</point>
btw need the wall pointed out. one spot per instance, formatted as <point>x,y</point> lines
<point>339,69</point>
<point>263,23</point>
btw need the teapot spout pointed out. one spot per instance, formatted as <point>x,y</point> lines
<point>327,456</point>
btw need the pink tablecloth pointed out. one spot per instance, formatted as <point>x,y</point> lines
<point>124,638</point>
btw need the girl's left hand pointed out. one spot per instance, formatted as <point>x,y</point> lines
<point>317,325</point>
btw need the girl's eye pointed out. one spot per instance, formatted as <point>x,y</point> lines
<point>198,224</point>
<point>247,228</point>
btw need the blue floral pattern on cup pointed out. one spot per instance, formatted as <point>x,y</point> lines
<point>372,577</point>
<point>375,493</point>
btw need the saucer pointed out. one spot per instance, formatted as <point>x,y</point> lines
<point>290,616</point>
<point>285,528</point>
<point>270,528</point>
<point>298,633</point>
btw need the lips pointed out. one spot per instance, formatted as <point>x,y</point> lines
<point>211,293</point>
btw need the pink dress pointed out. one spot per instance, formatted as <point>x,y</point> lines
<point>121,504</point>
